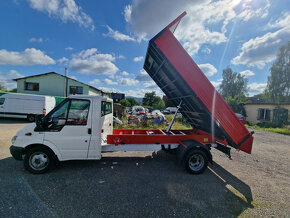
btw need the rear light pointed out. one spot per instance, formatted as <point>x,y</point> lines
<point>44,111</point>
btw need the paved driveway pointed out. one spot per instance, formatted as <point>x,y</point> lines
<point>146,184</point>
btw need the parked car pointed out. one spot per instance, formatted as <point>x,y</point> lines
<point>24,105</point>
<point>241,118</point>
<point>172,109</point>
<point>138,110</point>
<point>165,111</point>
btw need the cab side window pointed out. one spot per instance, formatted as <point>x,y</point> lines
<point>78,112</point>
<point>71,112</point>
<point>2,100</point>
<point>106,108</point>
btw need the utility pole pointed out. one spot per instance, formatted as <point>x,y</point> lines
<point>65,83</point>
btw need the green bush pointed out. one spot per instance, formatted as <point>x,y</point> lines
<point>270,125</point>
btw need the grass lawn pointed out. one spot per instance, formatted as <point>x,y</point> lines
<point>284,131</point>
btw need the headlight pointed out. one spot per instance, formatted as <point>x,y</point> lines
<point>13,139</point>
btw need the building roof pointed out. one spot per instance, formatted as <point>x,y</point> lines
<point>261,101</point>
<point>43,74</point>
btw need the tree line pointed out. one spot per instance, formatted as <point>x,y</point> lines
<point>234,87</point>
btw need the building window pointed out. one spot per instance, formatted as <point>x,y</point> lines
<point>264,114</point>
<point>76,90</point>
<point>32,86</point>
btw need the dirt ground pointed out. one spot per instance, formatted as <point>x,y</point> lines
<point>146,184</point>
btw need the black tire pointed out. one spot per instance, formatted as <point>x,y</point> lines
<point>39,160</point>
<point>31,117</point>
<point>195,161</point>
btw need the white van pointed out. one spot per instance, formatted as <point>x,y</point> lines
<point>25,106</point>
<point>172,109</point>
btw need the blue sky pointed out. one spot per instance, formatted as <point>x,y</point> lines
<point>103,43</point>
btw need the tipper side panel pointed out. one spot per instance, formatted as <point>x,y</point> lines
<point>180,78</point>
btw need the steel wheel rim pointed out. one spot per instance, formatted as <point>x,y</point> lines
<point>31,119</point>
<point>196,162</point>
<point>38,161</point>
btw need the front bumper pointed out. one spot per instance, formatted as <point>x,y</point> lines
<point>16,152</point>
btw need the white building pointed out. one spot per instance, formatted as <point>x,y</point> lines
<point>54,84</point>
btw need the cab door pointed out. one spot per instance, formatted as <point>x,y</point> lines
<point>2,100</point>
<point>106,120</point>
<point>69,128</point>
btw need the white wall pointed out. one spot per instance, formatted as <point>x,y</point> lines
<point>52,84</point>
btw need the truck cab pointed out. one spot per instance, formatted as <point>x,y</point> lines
<point>74,130</point>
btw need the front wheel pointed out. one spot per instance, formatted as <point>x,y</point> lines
<point>196,161</point>
<point>39,160</point>
<point>31,118</point>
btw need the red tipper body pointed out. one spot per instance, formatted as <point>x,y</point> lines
<point>179,77</point>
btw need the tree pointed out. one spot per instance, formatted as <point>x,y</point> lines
<point>125,103</point>
<point>13,90</point>
<point>278,85</point>
<point>237,104</point>
<point>132,102</point>
<point>233,84</point>
<point>234,90</point>
<point>152,100</point>
<point>2,88</point>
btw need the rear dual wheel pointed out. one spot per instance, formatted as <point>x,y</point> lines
<point>196,161</point>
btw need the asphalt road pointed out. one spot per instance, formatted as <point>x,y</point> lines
<point>146,184</point>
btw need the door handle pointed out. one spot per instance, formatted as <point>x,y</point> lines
<point>89,131</point>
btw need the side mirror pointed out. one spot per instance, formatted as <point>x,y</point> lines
<point>38,119</point>
<point>55,120</point>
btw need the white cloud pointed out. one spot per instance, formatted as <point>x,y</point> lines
<point>216,84</point>
<point>106,89</point>
<point>150,85</point>
<point>95,82</point>
<point>62,60</point>
<point>127,82</point>
<point>36,40</point>
<point>91,62</point>
<point>195,28</point>
<point>73,77</point>
<point>259,51</point>
<point>118,36</point>
<point>66,10</point>
<point>137,59</point>
<point>247,73</point>
<point>29,56</point>
<point>282,22</point>
<point>208,69</point>
<point>143,76</point>
<point>256,88</point>
<point>206,50</point>
<point>69,48</point>
<point>6,79</point>
<point>259,9</point>
<point>127,13</point>
<point>124,73</point>
<point>109,82</point>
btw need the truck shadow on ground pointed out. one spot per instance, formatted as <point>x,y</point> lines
<point>152,186</point>
<point>4,120</point>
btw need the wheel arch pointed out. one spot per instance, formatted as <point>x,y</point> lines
<point>51,148</point>
<point>190,145</point>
